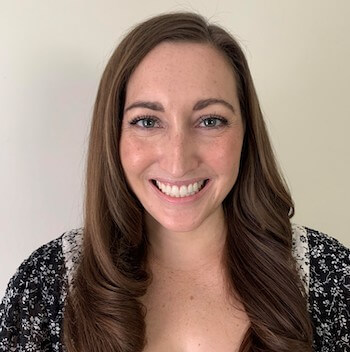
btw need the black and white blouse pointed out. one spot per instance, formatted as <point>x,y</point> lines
<point>31,312</point>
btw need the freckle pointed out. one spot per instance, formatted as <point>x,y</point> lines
<point>191,298</point>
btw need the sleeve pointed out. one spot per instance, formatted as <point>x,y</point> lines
<point>329,292</point>
<point>31,310</point>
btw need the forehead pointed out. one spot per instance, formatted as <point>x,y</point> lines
<point>185,69</point>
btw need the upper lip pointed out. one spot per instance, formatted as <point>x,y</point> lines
<point>179,183</point>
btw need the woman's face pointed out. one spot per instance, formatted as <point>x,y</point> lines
<point>182,125</point>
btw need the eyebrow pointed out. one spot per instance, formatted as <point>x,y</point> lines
<point>145,104</point>
<point>201,104</point>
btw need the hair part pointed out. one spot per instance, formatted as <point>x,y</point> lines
<point>103,311</point>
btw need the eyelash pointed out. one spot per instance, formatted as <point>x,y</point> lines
<point>223,121</point>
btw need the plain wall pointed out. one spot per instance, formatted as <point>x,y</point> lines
<point>52,57</point>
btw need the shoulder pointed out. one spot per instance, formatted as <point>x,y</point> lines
<point>329,290</point>
<point>329,266</point>
<point>71,249</point>
<point>31,311</point>
<point>326,246</point>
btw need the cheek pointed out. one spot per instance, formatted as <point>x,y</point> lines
<point>134,155</point>
<point>225,155</point>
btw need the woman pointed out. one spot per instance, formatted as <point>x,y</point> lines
<point>187,242</point>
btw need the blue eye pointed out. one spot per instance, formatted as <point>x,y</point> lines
<point>214,121</point>
<point>146,121</point>
<point>210,122</point>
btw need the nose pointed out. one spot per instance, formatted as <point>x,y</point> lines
<point>179,155</point>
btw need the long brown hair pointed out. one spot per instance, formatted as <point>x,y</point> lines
<point>102,310</point>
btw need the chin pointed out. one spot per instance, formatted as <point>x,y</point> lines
<point>179,227</point>
<point>178,224</point>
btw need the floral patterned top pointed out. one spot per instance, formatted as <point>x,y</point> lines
<point>31,312</point>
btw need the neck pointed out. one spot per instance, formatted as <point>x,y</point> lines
<point>195,251</point>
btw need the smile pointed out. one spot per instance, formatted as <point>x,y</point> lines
<point>180,191</point>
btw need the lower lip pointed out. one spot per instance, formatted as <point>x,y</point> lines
<point>181,200</point>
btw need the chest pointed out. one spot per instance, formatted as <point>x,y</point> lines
<point>193,316</point>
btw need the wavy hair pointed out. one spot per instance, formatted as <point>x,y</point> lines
<point>102,308</point>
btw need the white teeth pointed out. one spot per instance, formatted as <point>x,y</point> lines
<point>190,188</point>
<point>175,191</point>
<point>183,191</point>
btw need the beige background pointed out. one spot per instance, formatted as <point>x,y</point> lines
<point>52,57</point>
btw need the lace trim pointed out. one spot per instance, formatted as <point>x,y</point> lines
<point>72,242</point>
<point>301,253</point>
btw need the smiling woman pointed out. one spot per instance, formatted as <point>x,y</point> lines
<point>187,243</point>
<point>194,133</point>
